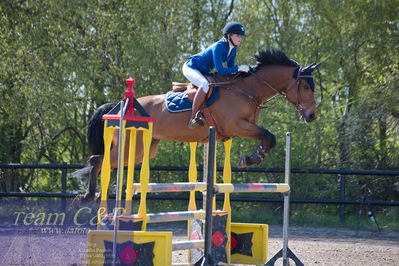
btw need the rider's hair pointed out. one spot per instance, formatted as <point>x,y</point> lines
<point>227,37</point>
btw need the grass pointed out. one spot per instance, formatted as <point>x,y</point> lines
<point>312,215</point>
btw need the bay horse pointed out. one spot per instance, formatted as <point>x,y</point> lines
<point>235,113</point>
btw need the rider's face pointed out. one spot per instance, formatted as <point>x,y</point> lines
<point>236,39</point>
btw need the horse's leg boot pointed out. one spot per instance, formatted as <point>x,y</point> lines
<point>197,118</point>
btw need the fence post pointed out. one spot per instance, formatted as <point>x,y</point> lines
<point>63,187</point>
<point>342,181</point>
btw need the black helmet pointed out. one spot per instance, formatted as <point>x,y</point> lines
<point>234,27</point>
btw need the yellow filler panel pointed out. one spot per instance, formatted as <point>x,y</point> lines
<point>249,243</point>
<point>132,247</point>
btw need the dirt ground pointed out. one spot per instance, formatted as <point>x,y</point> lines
<point>329,246</point>
<point>313,246</point>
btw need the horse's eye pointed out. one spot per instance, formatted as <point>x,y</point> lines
<point>305,87</point>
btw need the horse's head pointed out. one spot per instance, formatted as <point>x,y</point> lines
<point>297,86</point>
<point>300,92</point>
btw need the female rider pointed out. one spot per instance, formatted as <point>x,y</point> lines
<point>201,64</point>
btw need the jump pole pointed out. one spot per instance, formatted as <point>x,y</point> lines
<point>118,183</point>
<point>205,172</point>
<point>285,252</point>
<point>286,197</point>
<point>210,194</point>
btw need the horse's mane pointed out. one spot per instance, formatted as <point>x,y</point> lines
<point>273,57</point>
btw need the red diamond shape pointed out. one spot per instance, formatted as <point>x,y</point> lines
<point>218,239</point>
<point>128,255</point>
<point>233,242</point>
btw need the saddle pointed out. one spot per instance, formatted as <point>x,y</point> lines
<point>191,89</point>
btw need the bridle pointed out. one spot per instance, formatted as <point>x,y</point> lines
<point>297,75</point>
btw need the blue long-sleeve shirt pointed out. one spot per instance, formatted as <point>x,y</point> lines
<point>213,57</point>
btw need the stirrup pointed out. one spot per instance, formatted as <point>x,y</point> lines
<point>198,120</point>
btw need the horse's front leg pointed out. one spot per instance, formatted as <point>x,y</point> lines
<point>268,141</point>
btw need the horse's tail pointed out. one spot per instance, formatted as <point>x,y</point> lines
<point>95,133</point>
<point>95,129</point>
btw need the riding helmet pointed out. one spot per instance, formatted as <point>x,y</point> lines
<point>234,27</point>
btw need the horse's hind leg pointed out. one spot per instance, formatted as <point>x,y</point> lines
<point>154,147</point>
<point>95,162</point>
<point>92,170</point>
<point>268,142</point>
<point>140,152</point>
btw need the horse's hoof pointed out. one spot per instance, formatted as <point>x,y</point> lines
<point>89,197</point>
<point>97,197</point>
<point>244,162</point>
<point>77,201</point>
<point>85,199</point>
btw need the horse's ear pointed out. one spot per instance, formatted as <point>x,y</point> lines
<point>309,69</point>
<point>314,66</point>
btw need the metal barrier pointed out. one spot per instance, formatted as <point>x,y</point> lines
<point>342,172</point>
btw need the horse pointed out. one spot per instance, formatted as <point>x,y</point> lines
<point>235,113</point>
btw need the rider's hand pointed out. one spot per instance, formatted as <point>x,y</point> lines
<point>243,68</point>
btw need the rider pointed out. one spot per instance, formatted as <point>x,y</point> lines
<point>201,64</point>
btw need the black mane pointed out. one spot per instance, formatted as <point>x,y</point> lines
<point>273,57</point>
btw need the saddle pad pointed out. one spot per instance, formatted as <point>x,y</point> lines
<point>178,101</point>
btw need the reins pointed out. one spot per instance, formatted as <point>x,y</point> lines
<point>228,82</point>
<point>279,93</point>
<point>265,82</point>
<point>236,78</point>
<point>298,75</point>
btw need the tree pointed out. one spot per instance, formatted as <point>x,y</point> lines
<point>61,60</point>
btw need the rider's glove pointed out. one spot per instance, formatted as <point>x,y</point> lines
<point>243,68</point>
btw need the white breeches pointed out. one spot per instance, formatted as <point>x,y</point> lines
<point>196,78</point>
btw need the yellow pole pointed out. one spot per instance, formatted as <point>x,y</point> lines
<point>192,177</point>
<point>105,171</point>
<point>215,178</point>
<point>226,203</point>
<point>145,175</point>
<point>130,171</point>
